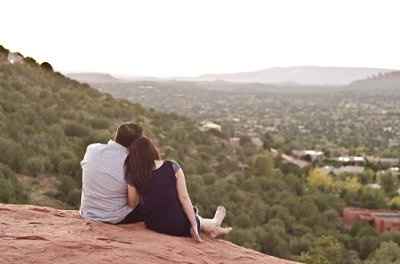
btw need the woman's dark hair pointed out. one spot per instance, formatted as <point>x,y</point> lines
<point>139,164</point>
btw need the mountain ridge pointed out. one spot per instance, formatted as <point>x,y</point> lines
<point>295,76</point>
<point>92,77</point>
<point>300,75</point>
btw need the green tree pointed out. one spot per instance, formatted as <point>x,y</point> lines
<point>263,165</point>
<point>11,191</point>
<point>268,141</point>
<point>46,66</point>
<point>372,198</point>
<point>325,250</point>
<point>387,253</point>
<point>12,154</point>
<point>319,179</point>
<point>73,129</point>
<point>30,61</point>
<point>395,202</point>
<point>4,50</point>
<point>389,183</point>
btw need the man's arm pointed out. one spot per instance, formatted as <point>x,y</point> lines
<point>133,197</point>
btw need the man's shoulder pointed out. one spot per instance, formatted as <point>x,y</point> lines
<point>106,150</point>
<point>96,146</point>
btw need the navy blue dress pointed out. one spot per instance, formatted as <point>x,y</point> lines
<point>163,211</point>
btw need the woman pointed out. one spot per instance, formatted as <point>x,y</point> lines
<point>160,188</point>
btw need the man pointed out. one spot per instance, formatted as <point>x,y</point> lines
<point>104,189</point>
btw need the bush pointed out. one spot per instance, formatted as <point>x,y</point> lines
<point>72,129</point>
<point>326,249</point>
<point>263,165</point>
<point>99,123</point>
<point>65,185</point>
<point>73,198</point>
<point>11,190</point>
<point>69,167</point>
<point>46,66</point>
<point>4,50</point>
<point>12,154</point>
<point>30,61</point>
<point>387,253</point>
<point>372,198</point>
<point>36,165</point>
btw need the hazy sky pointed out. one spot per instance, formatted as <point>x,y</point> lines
<point>187,37</point>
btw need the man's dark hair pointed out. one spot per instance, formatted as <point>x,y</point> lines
<point>127,133</point>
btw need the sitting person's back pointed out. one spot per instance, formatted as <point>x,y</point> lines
<point>161,206</point>
<point>104,190</point>
<point>160,188</point>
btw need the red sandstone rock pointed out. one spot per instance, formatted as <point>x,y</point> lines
<point>31,234</point>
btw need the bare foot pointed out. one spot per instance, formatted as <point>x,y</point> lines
<point>219,215</point>
<point>220,231</point>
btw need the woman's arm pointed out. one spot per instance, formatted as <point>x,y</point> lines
<point>184,198</point>
<point>133,197</point>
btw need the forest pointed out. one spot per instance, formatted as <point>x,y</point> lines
<point>47,120</point>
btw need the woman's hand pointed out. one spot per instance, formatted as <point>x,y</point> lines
<point>195,234</point>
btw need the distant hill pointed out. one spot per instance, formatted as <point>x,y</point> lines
<point>389,81</point>
<point>92,77</point>
<point>302,75</point>
<point>389,76</point>
<point>47,120</point>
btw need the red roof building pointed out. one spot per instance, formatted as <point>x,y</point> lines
<point>382,220</point>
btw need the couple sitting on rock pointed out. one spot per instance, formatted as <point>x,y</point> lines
<point>126,181</point>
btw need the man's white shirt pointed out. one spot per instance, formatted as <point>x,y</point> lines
<point>104,189</point>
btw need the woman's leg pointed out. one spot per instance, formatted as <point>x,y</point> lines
<point>213,226</point>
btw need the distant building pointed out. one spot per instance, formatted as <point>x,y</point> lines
<point>351,160</point>
<point>343,169</point>
<point>385,162</point>
<point>15,58</point>
<point>395,171</point>
<point>146,87</point>
<point>308,155</point>
<point>274,152</point>
<point>207,126</point>
<point>257,142</point>
<point>381,220</point>
<point>394,143</point>
<point>271,129</point>
<point>374,186</point>
<point>234,141</point>
<point>297,162</point>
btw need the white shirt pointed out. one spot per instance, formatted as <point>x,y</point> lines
<point>104,189</point>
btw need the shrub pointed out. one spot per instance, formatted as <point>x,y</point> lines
<point>388,252</point>
<point>65,185</point>
<point>4,50</point>
<point>69,167</point>
<point>263,165</point>
<point>99,123</point>
<point>46,66</point>
<point>73,198</point>
<point>11,191</point>
<point>30,61</point>
<point>11,154</point>
<point>72,129</point>
<point>35,165</point>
